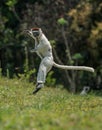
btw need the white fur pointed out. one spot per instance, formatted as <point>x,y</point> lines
<point>44,51</point>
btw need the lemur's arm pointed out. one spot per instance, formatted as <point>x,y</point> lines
<point>35,47</point>
<point>29,33</point>
<point>35,50</point>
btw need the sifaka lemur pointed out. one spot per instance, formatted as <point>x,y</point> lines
<point>44,51</point>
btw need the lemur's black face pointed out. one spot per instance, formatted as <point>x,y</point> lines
<point>36,33</point>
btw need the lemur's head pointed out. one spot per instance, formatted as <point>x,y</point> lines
<point>34,32</point>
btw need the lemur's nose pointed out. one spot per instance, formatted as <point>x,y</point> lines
<point>35,35</point>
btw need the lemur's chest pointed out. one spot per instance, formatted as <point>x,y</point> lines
<point>43,47</point>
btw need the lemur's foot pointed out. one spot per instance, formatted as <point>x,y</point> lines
<point>38,87</point>
<point>36,90</point>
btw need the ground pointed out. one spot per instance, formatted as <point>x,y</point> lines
<point>50,109</point>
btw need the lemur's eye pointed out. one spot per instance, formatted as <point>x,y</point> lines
<point>36,33</point>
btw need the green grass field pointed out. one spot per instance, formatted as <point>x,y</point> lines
<point>50,109</point>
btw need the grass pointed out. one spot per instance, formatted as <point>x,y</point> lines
<point>50,109</point>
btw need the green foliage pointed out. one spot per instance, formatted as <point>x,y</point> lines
<point>62,21</point>
<point>50,109</point>
<point>77,56</point>
<point>3,20</point>
<point>8,73</point>
<point>0,72</point>
<point>50,81</point>
<point>11,3</point>
<point>53,43</point>
<point>28,76</point>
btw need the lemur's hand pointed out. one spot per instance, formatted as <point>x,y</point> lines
<point>33,50</point>
<point>29,32</point>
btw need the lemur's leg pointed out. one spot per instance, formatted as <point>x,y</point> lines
<point>45,67</point>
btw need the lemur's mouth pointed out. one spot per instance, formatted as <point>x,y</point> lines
<point>35,33</point>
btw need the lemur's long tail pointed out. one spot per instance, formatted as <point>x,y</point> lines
<point>90,69</point>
